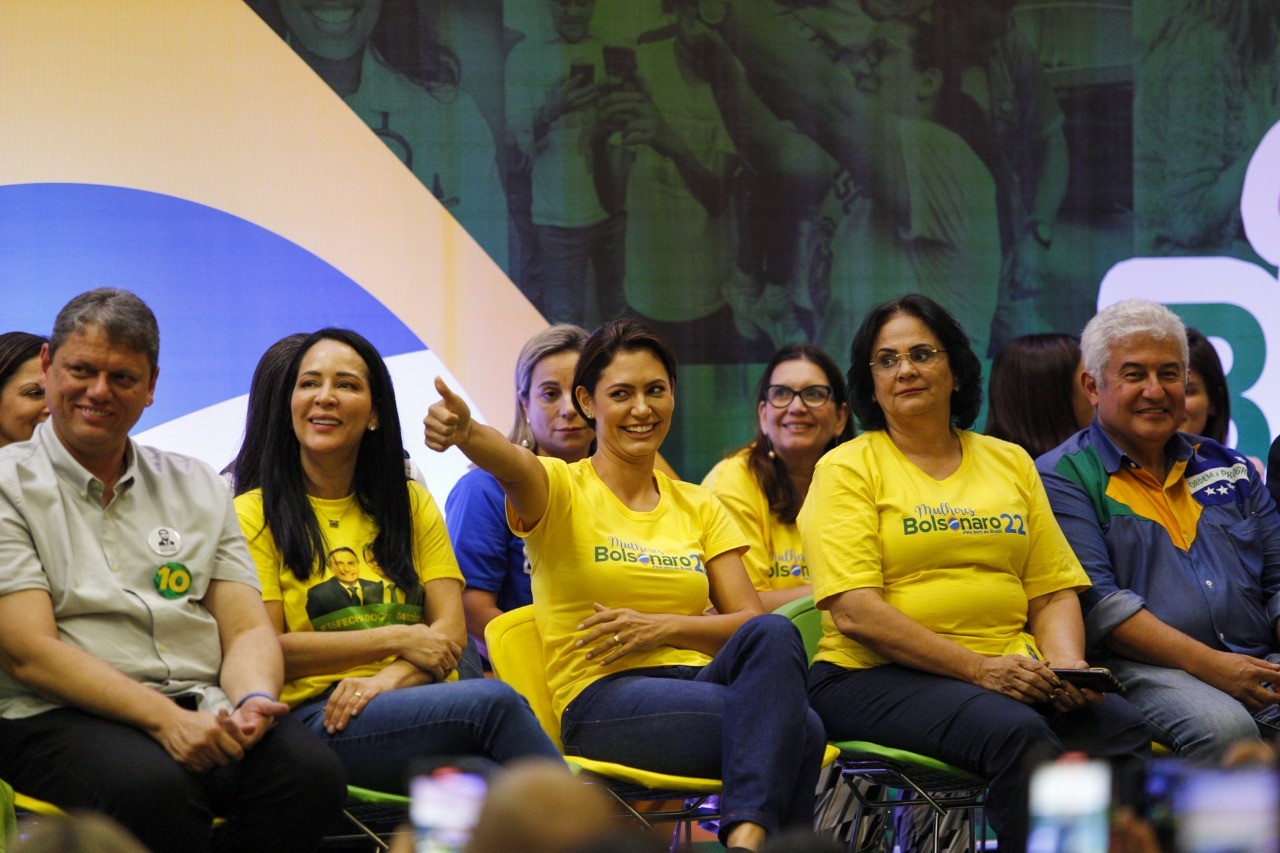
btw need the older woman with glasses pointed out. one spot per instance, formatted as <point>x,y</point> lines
<point>950,593</point>
<point>802,411</point>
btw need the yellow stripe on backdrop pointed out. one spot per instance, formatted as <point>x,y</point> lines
<point>172,97</point>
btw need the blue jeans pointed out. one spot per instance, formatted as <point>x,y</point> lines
<point>478,717</point>
<point>742,718</point>
<point>1196,721</point>
<point>986,733</point>
<point>563,255</point>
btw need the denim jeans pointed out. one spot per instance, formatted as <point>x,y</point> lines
<point>563,255</point>
<point>742,718</point>
<point>989,734</point>
<point>1196,721</point>
<point>478,717</point>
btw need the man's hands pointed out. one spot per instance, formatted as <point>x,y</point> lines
<point>1242,677</point>
<point>201,740</point>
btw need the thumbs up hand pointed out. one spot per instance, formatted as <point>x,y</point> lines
<point>448,421</point>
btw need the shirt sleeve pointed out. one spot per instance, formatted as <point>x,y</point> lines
<point>261,543</point>
<point>720,532</point>
<point>432,553</point>
<point>725,483</point>
<point>475,516</point>
<point>1105,604</point>
<point>1051,564</point>
<point>22,567</point>
<point>841,556</point>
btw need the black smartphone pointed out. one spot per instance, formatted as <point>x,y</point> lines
<point>620,63</point>
<point>1096,678</point>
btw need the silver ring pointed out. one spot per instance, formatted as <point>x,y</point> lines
<point>617,641</point>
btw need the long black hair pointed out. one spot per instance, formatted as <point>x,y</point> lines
<point>379,483</point>
<point>246,468</point>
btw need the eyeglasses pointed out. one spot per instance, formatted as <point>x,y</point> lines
<point>920,356</point>
<point>813,396</point>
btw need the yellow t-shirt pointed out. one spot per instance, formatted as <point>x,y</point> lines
<point>961,556</point>
<point>350,593</point>
<point>776,557</point>
<point>589,547</point>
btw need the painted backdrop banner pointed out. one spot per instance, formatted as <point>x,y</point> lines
<point>448,175</point>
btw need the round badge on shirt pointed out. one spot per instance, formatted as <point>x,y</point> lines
<point>165,541</point>
<point>173,580</point>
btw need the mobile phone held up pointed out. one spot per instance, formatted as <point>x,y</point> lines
<point>620,66</point>
<point>444,804</point>
<point>1070,804</point>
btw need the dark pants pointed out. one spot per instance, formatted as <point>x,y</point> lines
<point>742,718</point>
<point>282,796</point>
<point>986,733</point>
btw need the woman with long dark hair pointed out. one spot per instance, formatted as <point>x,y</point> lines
<point>802,411</point>
<point>1037,399</point>
<point>21,386</point>
<point>359,579</point>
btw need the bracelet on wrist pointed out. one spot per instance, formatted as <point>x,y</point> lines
<point>246,697</point>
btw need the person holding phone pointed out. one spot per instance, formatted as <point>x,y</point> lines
<point>948,589</point>
<point>624,561</point>
<point>552,90</point>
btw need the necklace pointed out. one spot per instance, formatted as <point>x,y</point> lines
<point>334,522</point>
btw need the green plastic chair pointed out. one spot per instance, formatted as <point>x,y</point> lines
<point>374,815</point>
<point>880,779</point>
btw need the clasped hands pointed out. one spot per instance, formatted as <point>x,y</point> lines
<point>1031,681</point>
<point>613,633</point>
<point>202,740</point>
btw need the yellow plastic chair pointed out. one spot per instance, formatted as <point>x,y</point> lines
<point>890,778</point>
<point>515,650</point>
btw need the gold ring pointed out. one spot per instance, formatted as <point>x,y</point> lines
<point>358,694</point>
<point>617,641</point>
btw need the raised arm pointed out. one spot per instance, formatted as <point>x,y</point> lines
<point>523,479</point>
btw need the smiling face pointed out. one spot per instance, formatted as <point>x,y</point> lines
<point>1140,397</point>
<point>345,566</point>
<point>572,18</point>
<point>22,403</point>
<point>887,72</point>
<point>632,405</point>
<point>331,29</point>
<point>556,425</point>
<point>96,390</point>
<point>332,404</point>
<point>799,434</point>
<point>911,390</point>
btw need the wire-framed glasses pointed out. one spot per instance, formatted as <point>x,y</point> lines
<point>888,362</point>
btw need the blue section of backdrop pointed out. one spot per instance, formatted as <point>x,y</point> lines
<point>223,289</point>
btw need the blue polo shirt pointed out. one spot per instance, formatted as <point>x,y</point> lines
<point>490,555</point>
<point>1200,550</point>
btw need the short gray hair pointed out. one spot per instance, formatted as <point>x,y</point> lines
<point>1128,319</point>
<point>124,317</point>
<point>562,337</point>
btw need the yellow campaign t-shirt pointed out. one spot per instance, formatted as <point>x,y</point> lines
<point>351,593</point>
<point>961,556</point>
<point>589,547</point>
<point>775,559</point>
